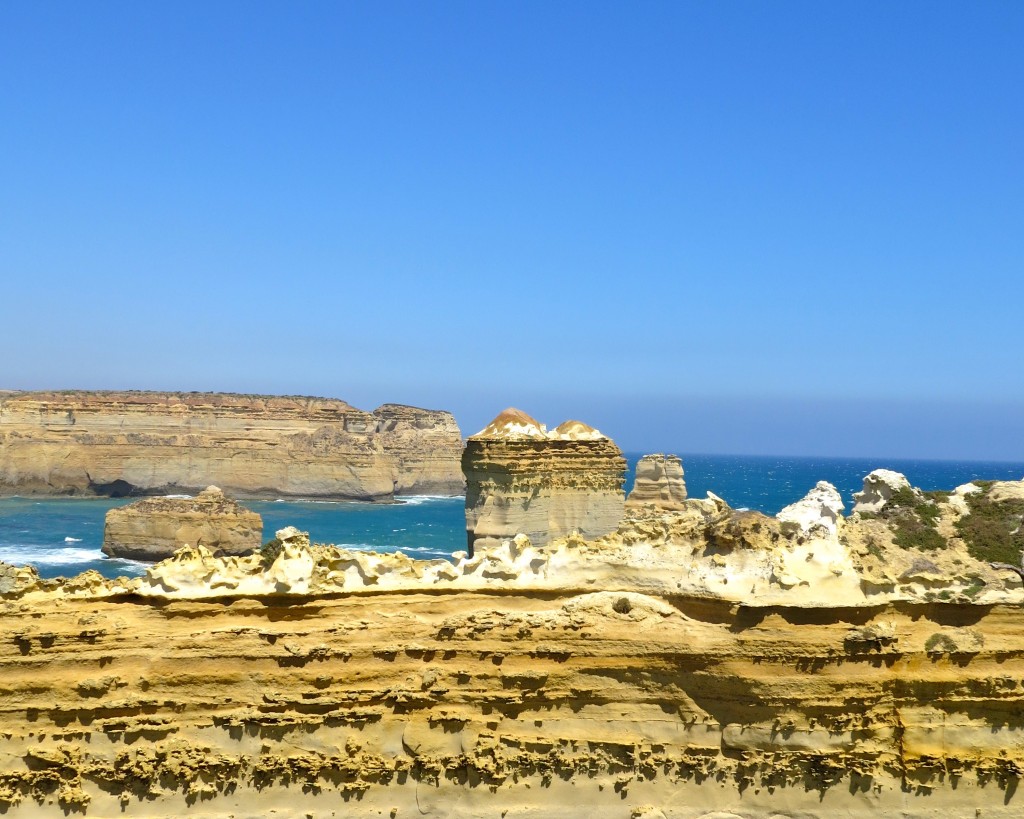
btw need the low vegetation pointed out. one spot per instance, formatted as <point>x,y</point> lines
<point>939,643</point>
<point>913,517</point>
<point>993,530</point>
<point>269,552</point>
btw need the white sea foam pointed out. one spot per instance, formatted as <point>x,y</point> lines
<point>43,556</point>
<point>416,500</point>
<point>72,540</point>
<point>180,497</point>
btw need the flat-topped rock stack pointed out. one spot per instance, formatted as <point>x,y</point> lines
<point>659,484</point>
<point>523,479</point>
<point>139,443</point>
<point>155,528</point>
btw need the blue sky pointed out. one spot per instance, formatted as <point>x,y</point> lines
<point>778,228</point>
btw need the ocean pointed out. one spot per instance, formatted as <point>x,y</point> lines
<point>62,536</point>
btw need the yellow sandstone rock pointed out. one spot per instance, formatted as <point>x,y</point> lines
<point>155,528</point>
<point>702,662</point>
<point>120,443</point>
<point>520,478</point>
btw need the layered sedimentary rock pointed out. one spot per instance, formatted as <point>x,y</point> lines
<point>155,528</point>
<point>123,443</point>
<point>659,483</point>
<point>697,663</point>
<point>523,479</point>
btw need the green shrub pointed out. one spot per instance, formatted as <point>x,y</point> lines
<point>269,552</point>
<point>993,532</point>
<point>975,587</point>
<point>914,533</point>
<point>913,519</point>
<point>939,643</point>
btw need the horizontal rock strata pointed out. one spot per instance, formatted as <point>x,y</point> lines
<point>125,443</point>
<point>659,484</point>
<point>522,479</point>
<point>703,662</point>
<point>155,528</point>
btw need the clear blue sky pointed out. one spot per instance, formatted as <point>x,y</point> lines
<point>787,228</point>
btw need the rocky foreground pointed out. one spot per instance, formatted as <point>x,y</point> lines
<point>696,662</point>
<point>139,443</point>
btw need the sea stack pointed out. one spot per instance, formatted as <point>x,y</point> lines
<point>155,528</point>
<point>523,479</point>
<point>659,484</point>
<point>157,443</point>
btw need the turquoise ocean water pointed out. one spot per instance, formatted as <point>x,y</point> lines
<point>63,536</point>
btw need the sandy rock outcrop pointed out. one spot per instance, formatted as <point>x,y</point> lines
<point>138,443</point>
<point>155,528</point>
<point>659,484</point>
<point>701,663</point>
<point>521,478</point>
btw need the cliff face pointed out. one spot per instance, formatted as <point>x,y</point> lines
<point>520,478</point>
<point>155,528</point>
<point>256,446</point>
<point>697,663</point>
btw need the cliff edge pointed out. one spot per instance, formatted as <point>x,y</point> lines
<point>138,443</point>
<point>696,663</point>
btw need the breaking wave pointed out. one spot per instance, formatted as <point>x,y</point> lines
<point>43,556</point>
<point>416,500</point>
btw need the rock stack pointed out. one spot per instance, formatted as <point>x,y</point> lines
<point>523,479</point>
<point>659,484</point>
<point>155,528</point>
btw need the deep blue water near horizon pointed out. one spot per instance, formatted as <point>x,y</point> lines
<point>62,536</point>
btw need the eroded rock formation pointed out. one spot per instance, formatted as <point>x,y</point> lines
<point>702,662</point>
<point>155,528</point>
<point>523,479</point>
<point>122,443</point>
<point>659,484</point>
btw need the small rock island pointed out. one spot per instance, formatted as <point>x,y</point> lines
<point>155,528</point>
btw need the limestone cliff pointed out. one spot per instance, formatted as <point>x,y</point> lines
<point>702,662</point>
<point>155,528</point>
<point>124,443</point>
<point>520,478</point>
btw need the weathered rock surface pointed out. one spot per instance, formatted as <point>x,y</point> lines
<point>155,528</point>
<point>659,484</point>
<point>520,478</point>
<point>124,443</point>
<point>703,662</point>
<point>821,507</point>
<point>879,487</point>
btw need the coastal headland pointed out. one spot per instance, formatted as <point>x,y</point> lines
<point>151,443</point>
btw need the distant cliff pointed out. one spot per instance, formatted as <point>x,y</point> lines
<point>137,443</point>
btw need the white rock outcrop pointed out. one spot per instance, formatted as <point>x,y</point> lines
<point>821,508</point>
<point>879,487</point>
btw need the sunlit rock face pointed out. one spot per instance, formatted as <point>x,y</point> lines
<point>155,528</point>
<point>659,484</point>
<point>879,486</point>
<point>523,479</point>
<point>702,662</point>
<point>139,443</point>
